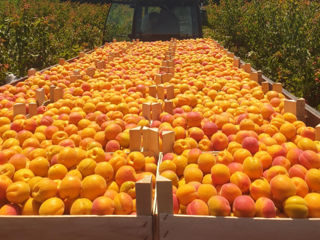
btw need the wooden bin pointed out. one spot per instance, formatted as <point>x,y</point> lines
<point>171,226</point>
<point>66,227</point>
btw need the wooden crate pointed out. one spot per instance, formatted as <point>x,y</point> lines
<point>177,226</point>
<point>135,227</point>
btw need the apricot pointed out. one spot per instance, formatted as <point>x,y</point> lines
<point>288,130</point>
<point>137,160</point>
<point>219,141</point>
<point>281,161</point>
<point>302,188</point>
<point>197,207</point>
<point>265,208</point>
<point>192,174</point>
<point>112,130</point>
<point>93,186</point>
<point>123,204</point>
<point>297,170</point>
<point>219,206</point>
<point>52,206</point>
<point>206,162</point>
<point>39,166</point>
<point>260,188</point>
<point>206,191</point>
<point>103,206</point>
<point>125,173</point>
<point>19,161</point>
<point>230,191</point>
<point>86,167</point>
<point>171,175</point>
<point>307,144</point>
<point>241,180</point>
<point>186,194</point>
<point>313,179</point>
<point>282,187</point>
<point>167,165</point>
<point>193,155</point>
<point>57,171</point>
<point>274,171</point>
<point>44,189</point>
<point>70,187</point>
<point>309,159</point>
<point>220,174</point>
<point>30,207</point>
<point>180,162</point>
<point>105,170</point>
<point>18,192</point>
<point>244,206</point>
<point>251,144</point>
<point>253,168</point>
<point>296,207</point>
<point>10,209</point>
<point>5,182</point>
<point>241,154</point>
<point>68,157</point>
<point>313,203</point>
<point>265,158</point>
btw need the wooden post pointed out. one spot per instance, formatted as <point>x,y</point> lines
<point>81,54</point>
<point>61,61</point>
<point>31,72</point>
<point>153,91</point>
<point>236,62</point>
<point>317,132</point>
<point>170,92</point>
<point>230,54</point>
<point>158,79</point>
<point>265,87</point>
<point>144,196</point>
<point>57,94</point>
<point>168,106</point>
<point>160,92</point>
<point>91,71</point>
<point>290,106</point>
<point>32,109</point>
<point>101,65</point>
<point>301,109</point>
<point>156,111</point>
<point>151,140</point>
<point>277,87</point>
<point>170,70</point>
<point>135,139</point>
<point>167,77</point>
<point>246,67</point>
<point>164,195</point>
<point>168,138</point>
<point>52,87</point>
<point>40,96</point>
<point>19,108</point>
<point>146,110</point>
<point>254,76</point>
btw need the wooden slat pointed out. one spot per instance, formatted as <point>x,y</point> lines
<point>31,72</point>
<point>160,92</point>
<point>290,106</point>
<point>40,96</point>
<point>52,87</point>
<point>61,61</point>
<point>156,111</point>
<point>168,138</point>
<point>236,62</point>
<point>90,71</point>
<point>317,132</point>
<point>158,79</point>
<point>170,92</point>
<point>301,109</point>
<point>144,196</point>
<point>146,110</point>
<point>135,139</point>
<point>168,106</point>
<point>151,140</point>
<point>32,109</point>
<point>246,67</point>
<point>153,91</point>
<point>265,87</point>
<point>277,87</point>
<point>164,195</point>
<point>57,94</point>
<point>19,108</point>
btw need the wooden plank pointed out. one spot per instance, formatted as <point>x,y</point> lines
<point>290,106</point>
<point>101,64</point>
<point>167,77</point>
<point>170,92</point>
<point>156,109</point>
<point>33,109</point>
<point>57,94</point>
<point>168,138</point>
<point>317,132</point>
<point>40,96</point>
<point>81,54</point>
<point>158,79</point>
<point>61,61</point>
<point>246,67</point>
<point>301,109</point>
<point>151,140</point>
<point>31,72</point>
<point>153,91</point>
<point>19,108</point>
<point>118,227</point>
<point>265,87</point>
<point>277,87</point>
<point>176,227</point>
<point>168,106</point>
<point>146,110</point>
<point>236,62</point>
<point>160,92</point>
<point>144,196</point>
<point>164,195</point>
<point>135,139</point>
<point>52,87</point>
<point>230,54</point>
<point>91,71</point>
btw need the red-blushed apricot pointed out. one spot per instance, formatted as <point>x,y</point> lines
<point>52,206</point>
<point>70,187</point>
<point>309,159</point>
<point>302,188</point>
<point>206,191</point>
<point>313,203</point>
<point>251,144</point>
<point>235,167</point>
<point>171,175</point>
<point>194,119</point>
<point>241,180</point>
<point>219,206</point>
<point>10,209</point>
<point>296,207</point>
<point>93,186</point>
<point>103,206</point>
<point>244,206</point>
<point>186,194</point>
<point>209,128</point>
<point>196,133</point>
<point>123,204</point>
<point>293,155</point>
<point>5,182</point>
<point>206,162</point>
<point>112,130</point>
<point>176,207</point>
<point>281,161</point>
<point>81,206</point>
<point>260,188</point>
<point>313,179</point>
<point>219,141</point>
<point>197,207</point>
<point>110,193</point>
<point>181,162</point>
<point>18,192</point>
<point>193,155</point>
<point>275,171</point>
<point>18,161</point>
<point>230,191</point>
<point>297,170</point>
<point>253,168</point>
<point>265,208</point>
<point>192,174</point>
<point>241,154</point>
<point>125,173</point>
<point>30,207</point>
<point>282,187</point>
<point>105,170</point>
<point>220,174</point>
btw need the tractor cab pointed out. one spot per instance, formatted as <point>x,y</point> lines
<point>152,20</point>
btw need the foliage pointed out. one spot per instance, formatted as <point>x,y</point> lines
<point>36,33</point>
<point>280,37</point>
